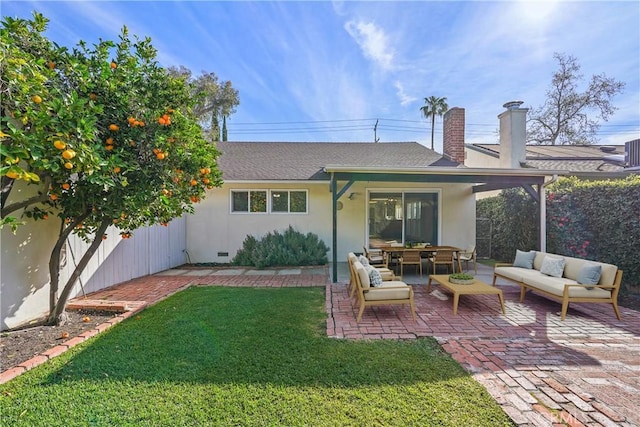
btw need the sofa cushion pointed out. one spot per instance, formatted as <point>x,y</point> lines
<point>555,286</point>
<point>524,259</point>
<point>514,273</point>
<point>552,266</point>
<point>589,274</point>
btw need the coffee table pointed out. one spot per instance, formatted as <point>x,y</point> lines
<point>478,287</point>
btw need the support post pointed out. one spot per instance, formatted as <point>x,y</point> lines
<point>334,237</point>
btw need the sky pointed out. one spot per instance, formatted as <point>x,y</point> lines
<point>329,71</point>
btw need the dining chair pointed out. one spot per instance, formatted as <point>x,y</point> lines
<point>376,257</point>
<point>467,255</point>
<point>443,257</point>
<point>410,258</point>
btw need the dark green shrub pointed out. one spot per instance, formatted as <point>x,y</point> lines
<point>513,216</point>
<point>289,248</point>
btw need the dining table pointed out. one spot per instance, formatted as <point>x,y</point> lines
<point>428,249</point>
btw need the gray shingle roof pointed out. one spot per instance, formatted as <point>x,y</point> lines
<point>575,158</point>
<point>249,161</point>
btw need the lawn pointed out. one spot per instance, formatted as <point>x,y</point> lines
<point>246,356</point>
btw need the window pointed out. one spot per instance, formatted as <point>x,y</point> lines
<point>287,201</point>
<point>403,217</point>
<point>249,201</point>
<point>281,201</point>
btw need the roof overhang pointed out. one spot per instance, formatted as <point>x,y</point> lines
<point>483,179</point>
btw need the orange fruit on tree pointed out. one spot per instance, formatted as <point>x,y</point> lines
<point>93,96</point>
<point>36,98</point>
<point>193,182</point>
<point>160,155</point>
<point>203,171</point>
<point>68,165</point>
<point>109,141</point>
<point>51,64</point>
<point>113,65</point>
<point>53,197</point>
<point>195,199</point>
<point>114,127</point>
<point>109,147</point>
<point>66,186</point>
<point>60,145</point>
<point>68,154</point>
<point>206,180</point>
<point>117,169</point>
<point>132,143</point>
<point>131,120</point>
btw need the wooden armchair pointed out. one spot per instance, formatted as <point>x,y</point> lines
<point>387,274</point>
<point>390,292</point>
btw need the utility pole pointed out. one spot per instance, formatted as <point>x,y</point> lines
<point>375,132</point>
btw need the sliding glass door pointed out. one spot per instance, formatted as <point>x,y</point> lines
<point>403,217</point>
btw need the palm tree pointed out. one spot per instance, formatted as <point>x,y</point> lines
<point>434,106</point>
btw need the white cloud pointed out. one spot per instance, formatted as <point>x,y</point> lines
<point>404,98</point>
<point>373,41</point>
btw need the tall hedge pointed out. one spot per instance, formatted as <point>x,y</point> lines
<point>596,220</point>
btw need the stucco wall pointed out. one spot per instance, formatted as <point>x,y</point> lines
<point>212,228</point>
<point>24,262</point>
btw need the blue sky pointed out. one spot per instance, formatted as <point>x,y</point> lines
<point>326,71</point>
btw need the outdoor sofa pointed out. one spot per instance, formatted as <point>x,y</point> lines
<point>563,278</point>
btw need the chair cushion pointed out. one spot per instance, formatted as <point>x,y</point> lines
<point>589,274</point>
<point>363,260</point>
<point>552,266</point>
<point>394,290</point>
<point>362,275</point>
<point>524,259</point>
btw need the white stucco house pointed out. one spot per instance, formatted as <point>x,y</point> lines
<point>350,194</point>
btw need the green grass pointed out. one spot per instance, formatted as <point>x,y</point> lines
<point>245,356</point>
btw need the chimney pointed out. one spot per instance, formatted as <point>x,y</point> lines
<point>513,135</point>
<point>453,135</point>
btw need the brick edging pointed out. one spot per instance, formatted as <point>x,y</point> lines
<point>49,354</point>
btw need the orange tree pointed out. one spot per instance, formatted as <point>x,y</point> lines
<point>104,133</point>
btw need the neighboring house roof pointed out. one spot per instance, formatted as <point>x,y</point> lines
<point>575,158</point>
<point>273,161</point>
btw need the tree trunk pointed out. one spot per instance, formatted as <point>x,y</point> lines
<point>57,305</point>
<point>433,125</point>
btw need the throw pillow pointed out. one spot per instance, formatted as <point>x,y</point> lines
<point>552,266</point>
<point>589,274</point>
<point>375,278</point>
<point>524,259</point>
<point>363,260</point>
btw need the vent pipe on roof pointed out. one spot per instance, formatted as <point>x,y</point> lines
<point>513,135</point>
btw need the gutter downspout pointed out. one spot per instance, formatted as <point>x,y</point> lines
<point>543,213</point>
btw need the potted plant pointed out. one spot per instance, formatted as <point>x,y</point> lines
<point>461,278</point>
